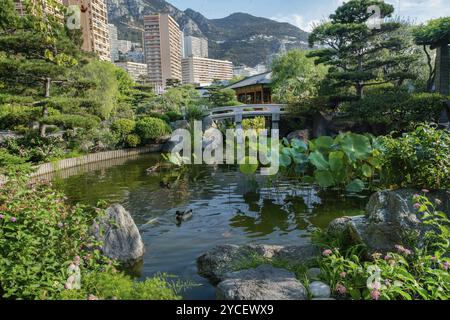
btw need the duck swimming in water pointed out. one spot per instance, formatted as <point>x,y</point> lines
<point>183,216</point>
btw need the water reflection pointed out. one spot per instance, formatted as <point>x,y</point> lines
<point>227,208</point>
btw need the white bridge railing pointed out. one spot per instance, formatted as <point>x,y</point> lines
<point>237,113</point>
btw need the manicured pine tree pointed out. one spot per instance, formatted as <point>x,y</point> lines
<point>360,54</point>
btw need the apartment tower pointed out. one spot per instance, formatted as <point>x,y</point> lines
<point>162,41</point>
<point>203,71</point>
<point>94,25</point>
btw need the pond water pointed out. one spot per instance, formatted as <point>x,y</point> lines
<point>229,208</point>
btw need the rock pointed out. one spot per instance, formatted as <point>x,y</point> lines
<point>120,235</point>
<point>390,216</point>
<point>262,283</point>
<point>208,123</point>
<point>219,261</point>
<point>180,124</point>
<point>299,134</point>
<point>319,289</point>
<point>313,273</point>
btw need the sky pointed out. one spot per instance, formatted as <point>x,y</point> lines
<point>304,13</point>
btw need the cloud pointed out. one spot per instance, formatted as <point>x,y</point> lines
<point>296,20</point>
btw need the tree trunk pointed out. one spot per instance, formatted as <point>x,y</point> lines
<point>442,68</point>
<point>431,71</point>
<point>42,126</point>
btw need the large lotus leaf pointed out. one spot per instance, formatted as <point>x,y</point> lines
<point>299,145</point>
<point>336,161</point>
<point>308,180</point>
<point>356,146</point>
<point>355,186</point>
<point>318,160</point>
<point>300,158</point>
<point>249,166</point>
<point>324,144</point>
<point>285,160</point>
<point>324,178</point>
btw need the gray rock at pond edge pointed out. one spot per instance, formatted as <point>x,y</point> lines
<point>319,289</point>
<point>390,216</point>
<point>120,235</point>
<point>219,261</point>
<point>262,283</point>
<point>313,273</point>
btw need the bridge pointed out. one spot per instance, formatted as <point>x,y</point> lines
<point>238,113</point>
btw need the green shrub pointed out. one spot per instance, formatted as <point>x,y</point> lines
<point>194,113</point>
<point>124,127</point>
<point>108,286</point>
<point>150,129</point>
<point>73,121</point>
<point>418,273</point>
<point>156,115</point>
<point>11,164</point>
<point>174,116</point>
<point>40,236</point>
<point>132,140</point>
<point>257,123</point>
<point>419,159</point>
<point>36,149</point>
<point>396,110</point>
<point>12,116</point>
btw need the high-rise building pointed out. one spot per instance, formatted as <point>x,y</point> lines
<point>113,42</point>
<point>162,41</point>
<point>203,71</point>
<point>195,47</point>
<point>94,25</point>
<point>136,70</point>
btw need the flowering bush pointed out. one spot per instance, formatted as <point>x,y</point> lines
<point>47,250</point>
<point>419,273</point>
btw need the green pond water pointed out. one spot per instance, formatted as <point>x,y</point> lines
<point>229,208</point>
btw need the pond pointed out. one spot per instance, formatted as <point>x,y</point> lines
<point>229,208</point>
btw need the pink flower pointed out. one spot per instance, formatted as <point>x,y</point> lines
<point>13,219</point>
<point>402,249</point>
<point>76,260</point>
<point>2,217</point>
<point>375,294</point>
<point>341,289</point>
<point>445,265</point>
<point>417,206</point>
<point>376,286</point>
<point>327,253</point>
<point>343,274</point>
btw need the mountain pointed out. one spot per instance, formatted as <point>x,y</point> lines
<point>240,37</point>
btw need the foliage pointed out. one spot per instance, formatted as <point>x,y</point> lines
<point>36,149</point>
<point>194,113</point>
<point>95,140</point>
<point>174,116</point>
<point>123,127</point>
<point>396,110</point>
<point>40,236</point>
<point>72,121</point>
<point>295,77</point>
<point>418,159</point>
<point>132,140</point>
<point>408,274</point>
<point>360,56</point>
<point>117,286</point>
<point>257,123</point>
<point>151,129</point>
<point>434,32</point>
<point>12,164</point>
<point>349,161</point>
<point>221,97</point>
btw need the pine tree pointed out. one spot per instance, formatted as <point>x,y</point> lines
<point>361,55</point>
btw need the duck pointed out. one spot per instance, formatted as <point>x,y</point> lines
<point>164,185</point>
<point>153,169</point>
<point>183,216</point>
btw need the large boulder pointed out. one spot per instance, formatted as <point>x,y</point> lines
<point>120,236</point>
<point>180,124</point>
<point>221,260</point>
<point>390,217</point>
<point>262,283</point>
